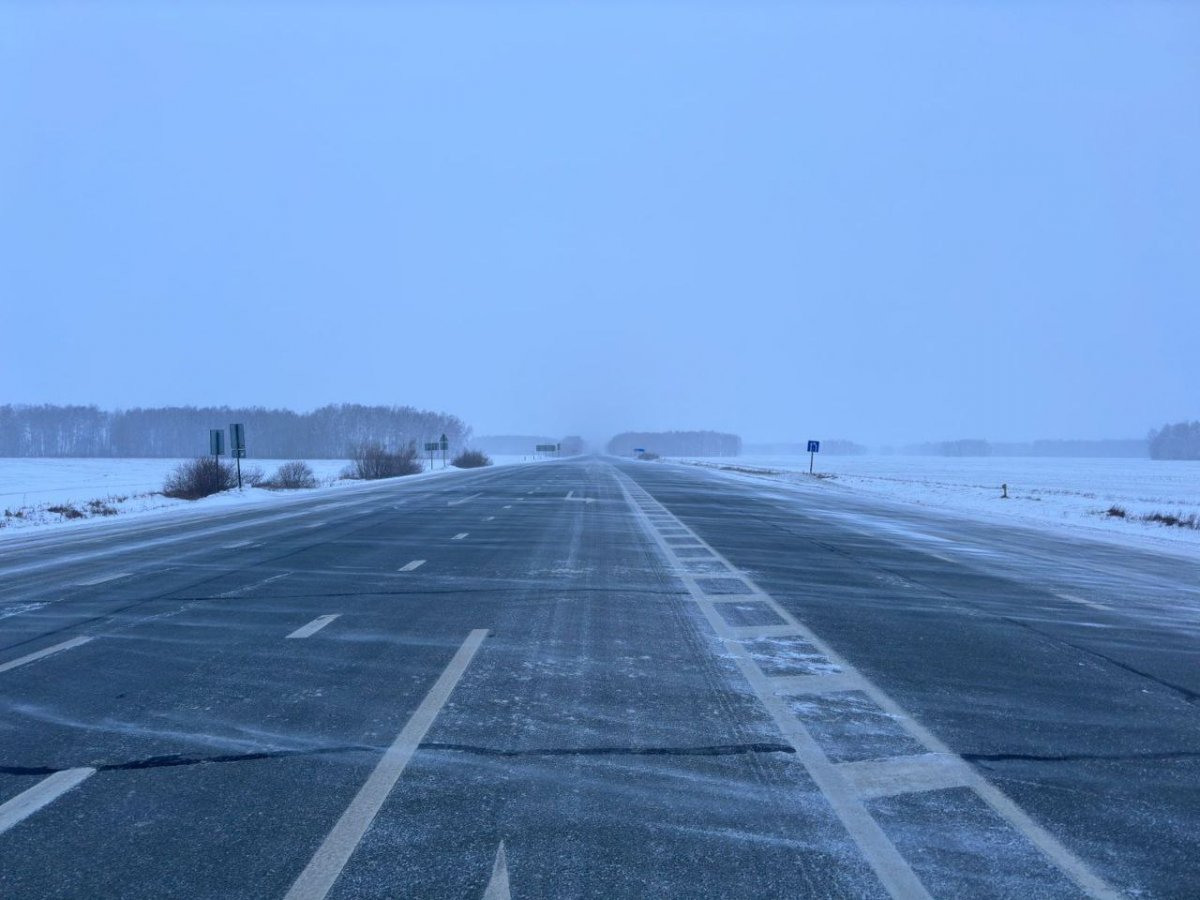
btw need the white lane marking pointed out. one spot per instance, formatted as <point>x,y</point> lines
<point>318,877</point>
<point>236,544</point>
<point>1092,603</point>
<point>415,564</point>
<point>22,608</point>
<point>315,525</point>
<point>460,536</point>
<point>570,495</point>
<point>102,579</point>
<point>463,500</point>
<point>509,506</point>
<point>881,854</point>
<point>250,587</point>
<point>49,789</point>
<point>488,518</point>
<point>314,626</point>
<point>32,657</point>
<point>497,888</point>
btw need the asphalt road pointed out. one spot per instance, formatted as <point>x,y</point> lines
<point>586,678</point>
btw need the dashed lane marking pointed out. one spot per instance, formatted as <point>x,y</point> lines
<point>460,536</point>
<point>463,500</point>
<point>497,888</point>
<point>92,582</point>
<point>318,877</point>
<point>42,654</point>
<point>415,564</point>
<point>314,626</point>
<point>488,518</point>
<point>46,791</point>
<point>848,788</point>
<point>237,544</point>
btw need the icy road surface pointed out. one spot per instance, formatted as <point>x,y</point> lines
<point>595,679</point>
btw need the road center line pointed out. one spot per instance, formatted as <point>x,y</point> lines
<point>415,564</point>
<point>339,845</point>
<point>497,888</point>
<point>314,626</point>
<point>45,791</point>
<point>32,657</point>
<point>460,536</point>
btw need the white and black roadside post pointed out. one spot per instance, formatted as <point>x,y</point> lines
<point>237,446</point>
<point>216,443</point>
<point>814,447</point>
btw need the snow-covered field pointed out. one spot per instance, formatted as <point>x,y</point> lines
<point>1074,493</point>
<point>98,489</point>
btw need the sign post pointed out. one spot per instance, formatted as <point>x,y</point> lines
<point>445,447</point>
<point>432,447</point>
<point>237,446</point>
<point>545,448</point>
<point>814,447</point>
<point>216,442</point>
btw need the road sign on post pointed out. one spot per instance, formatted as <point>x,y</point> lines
<point>814,447</point>
<point>546,448</point>
<point>216,441</point>
<point>445,447</point>
<point>237,446</point>
<point>432,447</point>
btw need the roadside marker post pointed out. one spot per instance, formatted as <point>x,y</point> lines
<point>814,447</point>
<point>237,446</point>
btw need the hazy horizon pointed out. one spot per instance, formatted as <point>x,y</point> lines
<point>884,223</point>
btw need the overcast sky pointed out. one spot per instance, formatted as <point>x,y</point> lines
<point>886,222</point>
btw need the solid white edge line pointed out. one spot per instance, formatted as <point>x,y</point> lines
<point>46,791</point>
<point>318,877</point>
<point>57,648</point>
<point>314,626</point>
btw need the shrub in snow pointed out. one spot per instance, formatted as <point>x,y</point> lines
<point>371,459</point>
<point>471,459</point>
<point>292,475</point>
<point>200,477</point>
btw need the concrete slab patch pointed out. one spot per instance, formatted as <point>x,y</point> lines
<point>723,586</point>
<point>751,612</point>
<point>851,726</point>
<point>782,656</point>
<point>960,847</point>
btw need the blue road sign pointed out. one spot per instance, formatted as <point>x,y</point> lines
<point>814,446</point>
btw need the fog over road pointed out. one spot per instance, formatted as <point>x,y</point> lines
<point>595,678</point>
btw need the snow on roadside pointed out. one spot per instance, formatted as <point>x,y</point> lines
<point>52,492</point>
<point>1043,492</point>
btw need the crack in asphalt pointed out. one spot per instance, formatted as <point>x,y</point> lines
<point>1165,756</point>
<point>711,750</point>
<point>172,760</point>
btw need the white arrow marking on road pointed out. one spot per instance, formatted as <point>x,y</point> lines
<point>65,645</point>
<point>45,791</point>
<point>497,888</point>
<point>415,564</point>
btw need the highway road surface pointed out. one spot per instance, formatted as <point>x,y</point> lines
<point>594,678</point>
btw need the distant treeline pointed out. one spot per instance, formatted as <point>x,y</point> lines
<point>1178,441</point>
<point>676,443</point>
<point>978,447</point>
<point>833,447</point>
<point>182,431</point>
